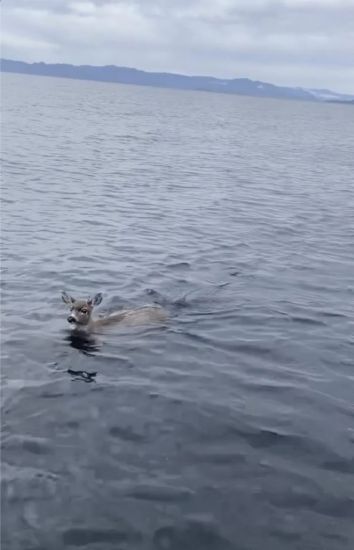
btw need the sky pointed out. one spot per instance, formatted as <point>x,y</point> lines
<point>307,43</point>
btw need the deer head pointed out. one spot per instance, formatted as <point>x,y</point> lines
<point>80,310</point>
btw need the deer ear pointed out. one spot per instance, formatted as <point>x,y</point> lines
<point>96,300</point>
<point>66,298</point>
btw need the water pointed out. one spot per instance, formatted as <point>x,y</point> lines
<point>232,428</point>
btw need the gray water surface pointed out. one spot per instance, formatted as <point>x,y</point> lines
<point>232,427</point>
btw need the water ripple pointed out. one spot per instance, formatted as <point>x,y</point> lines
<point>230,428</point>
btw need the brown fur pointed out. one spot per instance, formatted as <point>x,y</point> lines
<point>81,314</point>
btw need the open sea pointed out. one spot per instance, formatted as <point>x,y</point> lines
<point>231,428</point>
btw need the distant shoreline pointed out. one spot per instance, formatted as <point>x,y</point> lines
<point>125,75</point>
<point>341,101</point>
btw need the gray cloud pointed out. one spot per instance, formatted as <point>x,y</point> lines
<point>291,42</point>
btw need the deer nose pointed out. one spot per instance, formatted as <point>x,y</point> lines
<point>71,319</point>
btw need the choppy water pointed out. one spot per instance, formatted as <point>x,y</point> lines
<point>233,427</point>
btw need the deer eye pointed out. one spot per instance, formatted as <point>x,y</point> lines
<point>84,310</point>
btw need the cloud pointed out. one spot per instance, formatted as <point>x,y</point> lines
<point>290,42</point>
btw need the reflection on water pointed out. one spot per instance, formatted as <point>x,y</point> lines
<point>83,341</point>
<point>86,344</point>
<point>82,375</point>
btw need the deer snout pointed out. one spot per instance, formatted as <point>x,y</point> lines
<point>71,319</point>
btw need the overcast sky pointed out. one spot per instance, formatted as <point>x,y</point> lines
<point>306,43</point>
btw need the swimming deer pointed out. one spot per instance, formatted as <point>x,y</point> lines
<point>80,317</point>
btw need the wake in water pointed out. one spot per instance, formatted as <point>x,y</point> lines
<point>189,298</point>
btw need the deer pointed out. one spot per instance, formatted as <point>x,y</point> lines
<point>80,316</point>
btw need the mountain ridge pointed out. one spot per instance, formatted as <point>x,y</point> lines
<point>127,75</point>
